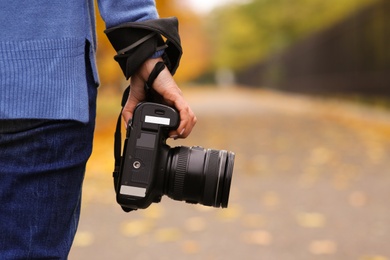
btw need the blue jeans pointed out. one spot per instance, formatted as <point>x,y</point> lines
<point>42,166</point>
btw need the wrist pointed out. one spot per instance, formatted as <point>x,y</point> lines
<point>147,67</point>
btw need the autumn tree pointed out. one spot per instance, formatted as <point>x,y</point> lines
<point>248,32</point>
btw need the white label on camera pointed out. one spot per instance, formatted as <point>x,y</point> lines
<point>133,191</point>
<point>157,120</point>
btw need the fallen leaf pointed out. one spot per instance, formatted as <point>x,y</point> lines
<point>167,235</point>
<point>320,156</point>
<point>136,227</point>
<point>357,199</point>
<point>257,237</point>
<point>155,211</point>
<point>375,153</point>
<point>323,247</point>
<point>374,257</point>
<point>271,199</point>
<point>253,221</point>
<point>195,224</point>
<point>311,219</point>
<point>190,247</point>
<point>83,239</point>
<point>231,213</point>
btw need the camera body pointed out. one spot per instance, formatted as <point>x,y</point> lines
<point>141,177</point>
<point>149,168</point>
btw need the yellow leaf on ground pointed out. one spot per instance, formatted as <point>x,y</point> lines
<point>231,213</point>
<point>190,247</point>
<point>136,227</point>
<point>257,237</point>
<point>83,239</point>
<point>311,219</point>
<point>374,257</point>
<point>323,247</point>
<point>357,199</point>
<point>167,235</point>
<point>195,224</point>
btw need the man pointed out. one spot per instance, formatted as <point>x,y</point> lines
<point>48,82</point>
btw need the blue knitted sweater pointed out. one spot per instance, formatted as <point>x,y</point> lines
<point>43,50</point>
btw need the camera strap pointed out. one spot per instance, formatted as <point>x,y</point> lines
<point>118,139</point>
<point>151,96</point>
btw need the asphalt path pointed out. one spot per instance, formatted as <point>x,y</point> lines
<point>311,181</point>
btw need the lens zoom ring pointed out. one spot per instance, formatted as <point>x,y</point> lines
<point>181,169</point>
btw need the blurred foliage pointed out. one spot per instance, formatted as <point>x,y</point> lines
<point>234,36</point>
<point>196,56</point>
<point>247,33</point>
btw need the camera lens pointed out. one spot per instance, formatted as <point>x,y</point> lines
<point>197,175</point>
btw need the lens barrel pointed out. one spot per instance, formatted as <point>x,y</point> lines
<point>197,175</point>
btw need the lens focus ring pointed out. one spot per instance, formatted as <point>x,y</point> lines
<point>181,170</point>
<point>211,178</point>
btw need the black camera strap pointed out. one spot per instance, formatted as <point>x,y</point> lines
<point>151,96</point>
<point>118,139</point>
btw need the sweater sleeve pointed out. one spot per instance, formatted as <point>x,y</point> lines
<point>116,12</point>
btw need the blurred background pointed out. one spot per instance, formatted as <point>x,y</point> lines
<point>300,91</point>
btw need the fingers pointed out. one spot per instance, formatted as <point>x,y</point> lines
<point>166,86</point>
<point>187,120</point>
<point>168,89</point>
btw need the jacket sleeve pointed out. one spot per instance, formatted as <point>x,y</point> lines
<point>116,12</point>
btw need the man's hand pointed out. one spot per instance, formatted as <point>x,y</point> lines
<point>166,86</point>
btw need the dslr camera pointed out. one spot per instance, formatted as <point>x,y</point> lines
<point>150,168</point>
